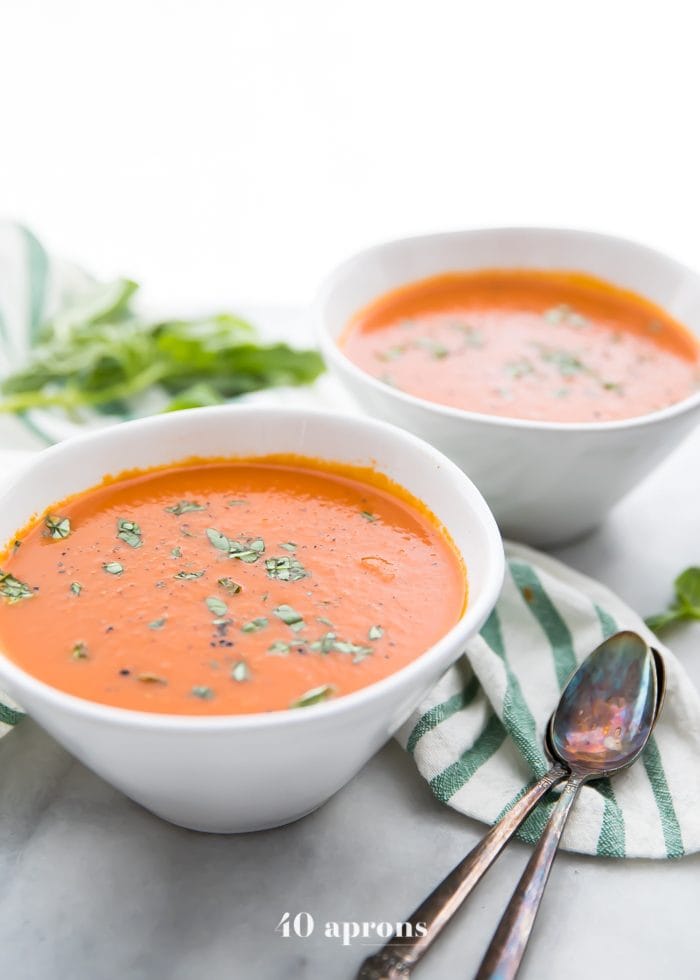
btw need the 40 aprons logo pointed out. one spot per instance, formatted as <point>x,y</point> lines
<point>302,925</point>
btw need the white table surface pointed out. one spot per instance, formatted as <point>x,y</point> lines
<point>92,887</point>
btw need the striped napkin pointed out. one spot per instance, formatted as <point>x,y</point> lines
<point>478,736</point>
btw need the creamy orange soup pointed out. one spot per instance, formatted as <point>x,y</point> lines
<point>530,344</point>
<point>216,587</point>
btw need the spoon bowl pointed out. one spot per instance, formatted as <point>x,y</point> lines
<point>607,710</point>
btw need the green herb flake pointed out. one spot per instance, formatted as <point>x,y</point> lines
<point>564,314</point>
<point>129,532</point>
<point>255,625</point>
<point>113,567</point>
<point>391,353</point>
<point>158,624</point>
<point>436,350</point>
<point>288,568</point>
<point>148,678</point>
<point>218,540</point>
<point>314,696</point>
<point>290,617</point>
<point>79,651</point>
<point>324,620</point>
<point>686,604</point>
<point>375,633</point>
<point>289,546</point>
<point>229,586</point>
<point>325,644</point>
<point>184,507</point>
<point>57,527</point>
<point>216,606</point>
<point>520,368</point>
<point>236,503</point>
<point>176,552</point>
<point>205,693</point>
<point>240,671</point>
<point>76,588</point>
<point>246,551</point>
<point>567,363</point>
<point>188,576</point>
<point>356,650</point>
<point>279,648</point>
<point>368,516</point>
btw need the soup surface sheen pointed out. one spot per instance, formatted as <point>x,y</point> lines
<point>531,344</point>
<point>218,587</point>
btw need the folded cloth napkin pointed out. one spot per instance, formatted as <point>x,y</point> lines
<point>478,736</point>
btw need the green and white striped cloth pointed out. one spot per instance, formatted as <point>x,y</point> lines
<point>478,736</point>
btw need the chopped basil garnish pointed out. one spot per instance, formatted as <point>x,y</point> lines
<point>229,586</point>
<point>279,647</point>
<point>358,651</point>
<point>285,569</point>
<point>158,624</point>
<point>314,696</point>
<point>57,527</point>
<point>129,532</point>
<point>176,552</point>
<point>113,567</point>
<point>434,348</point>
<point>368,515</point>
<point>205,693</point>
<point>188,576</point>
<point>567,363</point>
<point>79,651</point>
<point>520,368</point>
<point>324,621</point>
<point>216,606</point>
<point>236,503</point>
<point>325,644</point>
<point>289,546</point>
<point>148,678</point>
<point>219,540</point>
<point>240,671</point>
<point>76,588</point>
<point>375,633</point>
<point>183,507</point>
<point>248,551</point>
<point>289,616</point>
<point>255,625</point>
<point>565,314</point>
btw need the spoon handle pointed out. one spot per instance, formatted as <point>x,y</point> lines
<point>504,955</point>
<point>396,959</point>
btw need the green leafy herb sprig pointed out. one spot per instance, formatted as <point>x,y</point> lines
<point>99,353</point>
<point>686,604</point>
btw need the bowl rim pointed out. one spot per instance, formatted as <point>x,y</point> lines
<point>336,356</point>
<point>471,619</point>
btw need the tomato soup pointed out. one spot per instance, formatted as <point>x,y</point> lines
<point>217,587</point>
<point>530,344</point>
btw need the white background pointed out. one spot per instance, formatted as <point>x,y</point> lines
<point>232,152</point>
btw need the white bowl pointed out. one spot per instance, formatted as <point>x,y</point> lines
<point>236,773</point>
<point>546,482</point>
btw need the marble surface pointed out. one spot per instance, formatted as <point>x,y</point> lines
<point>92,887</point>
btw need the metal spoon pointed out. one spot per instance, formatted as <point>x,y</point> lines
<point>398,957</point>
<point>602,723</point>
